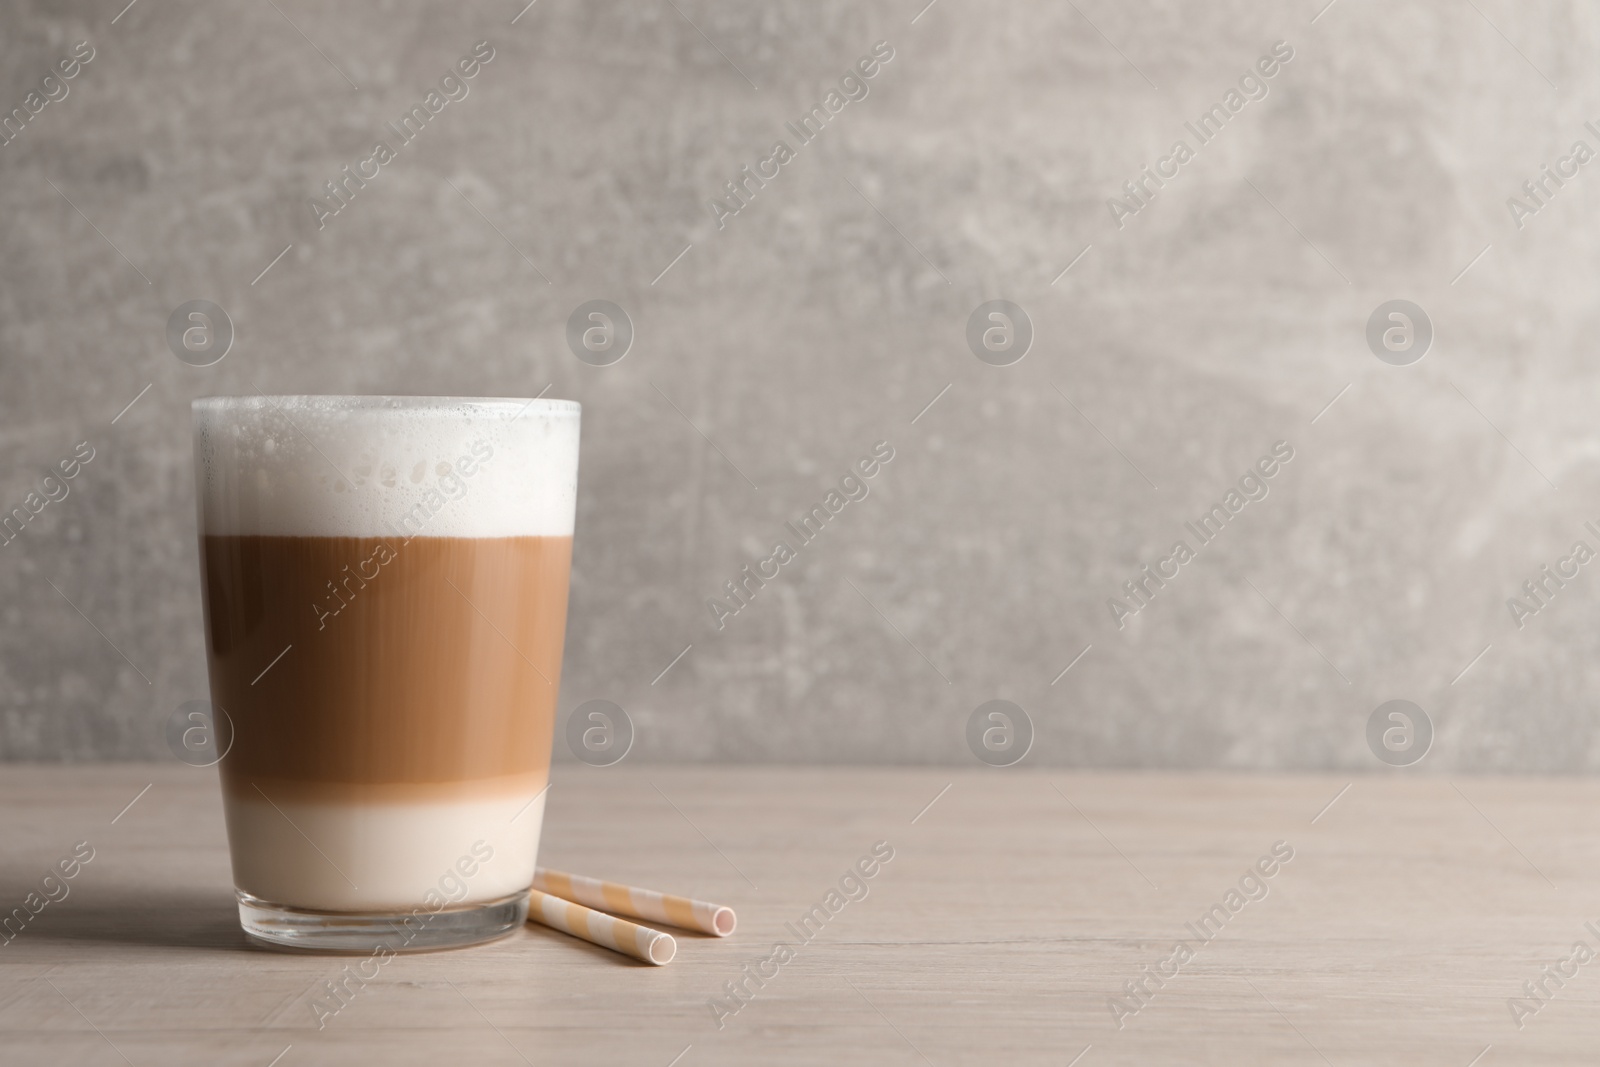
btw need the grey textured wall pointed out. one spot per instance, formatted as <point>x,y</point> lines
<point>1222,317</point>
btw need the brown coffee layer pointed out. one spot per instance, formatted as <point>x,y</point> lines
<point>512,790</point>
<point>427,662</point>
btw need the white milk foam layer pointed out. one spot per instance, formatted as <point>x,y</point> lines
<point>385,856</point>
<point>369,466</point>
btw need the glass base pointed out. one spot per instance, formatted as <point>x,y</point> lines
<point>281,926</point>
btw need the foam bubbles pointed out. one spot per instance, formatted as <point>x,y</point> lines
<point>367,466</point>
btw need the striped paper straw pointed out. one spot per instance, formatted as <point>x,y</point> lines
<point>638,903</point>
<point>619,935</point>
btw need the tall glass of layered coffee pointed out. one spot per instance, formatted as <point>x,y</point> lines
<point>385,586</point>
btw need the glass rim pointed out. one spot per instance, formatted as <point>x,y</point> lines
<point>384,402</point>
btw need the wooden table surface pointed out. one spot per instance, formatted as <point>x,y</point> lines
<point>1016,907</point>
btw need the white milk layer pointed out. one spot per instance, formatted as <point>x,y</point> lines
<point>370,466</point>
<point>385,857</point>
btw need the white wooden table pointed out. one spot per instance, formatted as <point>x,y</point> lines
<point>1015,908</point>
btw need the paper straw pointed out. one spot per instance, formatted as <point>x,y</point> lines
<point>639,903</point>
<point>619,935</point>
